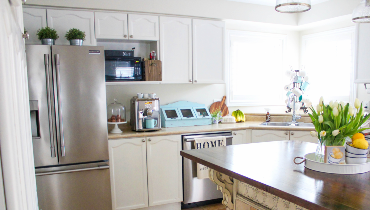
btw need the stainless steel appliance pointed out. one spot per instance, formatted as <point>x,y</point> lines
<point>121,65</point>
<point>145,112</point>
<point>197,190</point>
<point>68,114</point>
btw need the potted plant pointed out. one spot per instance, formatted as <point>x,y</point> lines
<point>75,36</point>
<point>216,116</point>
<point>47,35</point>
<point>335,122</point>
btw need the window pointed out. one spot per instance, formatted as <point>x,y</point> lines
<point>255,68</point>
<point>328,61</point>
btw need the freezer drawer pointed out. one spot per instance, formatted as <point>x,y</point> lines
<point>77,189</point>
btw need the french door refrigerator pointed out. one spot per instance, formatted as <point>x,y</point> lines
<point>68,120</point>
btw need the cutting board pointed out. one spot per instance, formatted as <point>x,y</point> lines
<point>220,105</point>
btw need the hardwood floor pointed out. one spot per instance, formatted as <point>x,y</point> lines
<point>217,206</point>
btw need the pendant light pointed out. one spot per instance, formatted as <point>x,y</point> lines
<point>362,12</point>
<point>292,6</point>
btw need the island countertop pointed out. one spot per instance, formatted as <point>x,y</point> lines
<point>269,166</point>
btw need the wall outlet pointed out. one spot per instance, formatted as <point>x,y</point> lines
<point>366,105</point>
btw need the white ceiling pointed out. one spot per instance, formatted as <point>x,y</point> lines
<point>272,2</point>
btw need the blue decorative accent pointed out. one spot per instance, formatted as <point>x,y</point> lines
<point>185,113</point>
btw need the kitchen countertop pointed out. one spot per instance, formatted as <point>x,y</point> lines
<point>128,133</point>
<point>273,171</point>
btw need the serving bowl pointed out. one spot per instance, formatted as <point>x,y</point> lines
<point>355,150</point>
<point>350,154</point>
<point>354,160</point>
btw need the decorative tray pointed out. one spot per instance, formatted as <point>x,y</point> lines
<point>310,163</point>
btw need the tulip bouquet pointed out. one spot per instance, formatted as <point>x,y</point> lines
<point>336,121</point>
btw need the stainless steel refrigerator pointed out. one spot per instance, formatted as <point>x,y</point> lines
<point>68,120</point>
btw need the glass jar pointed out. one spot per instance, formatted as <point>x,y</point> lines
<point>116,112</point>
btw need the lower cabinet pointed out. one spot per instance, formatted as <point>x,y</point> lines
<point>145,171</point>
<point>242,137</point>
<point>274,135</point>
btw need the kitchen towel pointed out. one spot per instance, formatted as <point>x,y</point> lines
<point>207,142</point>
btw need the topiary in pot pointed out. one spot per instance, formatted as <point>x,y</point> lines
<point>75,36</point>
<point>47,35</point>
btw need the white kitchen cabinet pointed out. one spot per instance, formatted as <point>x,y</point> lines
<point>269,135</point>
<point>208,51</point>
<point>143,27</point>
<point>164,169</point>
<point>176,49</point>
<point>128,173</point>
<point>111,25</point>
<point>63,20</point>
<point>362,64</point>
<point>242,137</point>
<point>34,19</point>
<point>302,136</point>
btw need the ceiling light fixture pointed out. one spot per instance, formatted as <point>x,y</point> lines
<point>292,6</point>
<point>362,12</point>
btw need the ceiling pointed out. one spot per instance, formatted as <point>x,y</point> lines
<point>272,2</point>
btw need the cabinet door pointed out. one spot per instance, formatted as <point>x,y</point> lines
<point>109,25</point>
<point>208,51</point>
<point>241,137</point>
<point>362,73</point>
<point>143,27</point>
<point>176,49</point>
<point>302,136</point>
<point>269,135</point>
<point>128,173</point>
<point>63,20</point>
<point>164,169</point>
<point>34,19</point>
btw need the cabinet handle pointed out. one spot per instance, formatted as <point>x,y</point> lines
<point>124,36</point>
<point>149,140</point>
<point>286,132</point>
<point>26,35</point>
<point>131,36</point>
<point>190,80</point>
<point>195,81</point>
<point>143,140</point>
<point>292,133</point>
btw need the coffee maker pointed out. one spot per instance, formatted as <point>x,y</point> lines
<point>145,114</point>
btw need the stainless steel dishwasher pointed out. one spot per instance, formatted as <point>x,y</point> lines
<point>196,190</point>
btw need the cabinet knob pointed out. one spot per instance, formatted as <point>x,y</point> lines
<point>234,133</point>
<point>131,36</point>
<point>195,81</point>
<point>190,80</point>
<point>292,133</point>
<point>124,36</point>
<point>143,140</point>
<point>26,35</point>
<point>149,140</point>
<point>286,132</point>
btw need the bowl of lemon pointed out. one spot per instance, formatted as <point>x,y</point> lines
<point>357,150</point>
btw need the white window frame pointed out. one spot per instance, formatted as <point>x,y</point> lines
<point>237,33</point>
<point>352,29</point>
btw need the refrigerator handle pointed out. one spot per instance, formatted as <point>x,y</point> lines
<point>50,104</point>
<point>58,101</point>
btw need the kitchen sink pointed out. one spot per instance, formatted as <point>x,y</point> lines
<point>300,124</point>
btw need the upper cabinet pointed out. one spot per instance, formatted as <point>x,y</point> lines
<point>143,27</point>
<point>109,25</point>
<point>34,19</point>
<point>362,73</point>
<point>63,20</point>
<point>176,49</point>
<point>208,51</point>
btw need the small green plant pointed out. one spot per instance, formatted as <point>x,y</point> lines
<point>47,33</point>
<point>75,33</point>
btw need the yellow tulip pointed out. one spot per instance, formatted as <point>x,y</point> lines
<point>323,133</point>
<point>357,103</point>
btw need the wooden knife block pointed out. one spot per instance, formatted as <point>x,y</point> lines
<point>152,70</point>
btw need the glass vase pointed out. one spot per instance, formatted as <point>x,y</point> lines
<point>320,152</point>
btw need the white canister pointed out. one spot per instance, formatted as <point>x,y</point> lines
<point>139,95</point>
<point>152,95</point>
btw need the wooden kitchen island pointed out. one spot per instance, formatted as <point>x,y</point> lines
<point>263,176</point>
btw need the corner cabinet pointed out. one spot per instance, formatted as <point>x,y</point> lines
<point>176,49</point>
<point>362,73</point>
<point>208,51</point>
<point>145,171</point>
<point>63,20</point>
<point>34,19</point>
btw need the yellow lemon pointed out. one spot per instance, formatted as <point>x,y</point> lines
<point>361,144</point>
<point>358,136</point>
<point>336,150</point>
<point>338,155</point>
<point>354,140</point>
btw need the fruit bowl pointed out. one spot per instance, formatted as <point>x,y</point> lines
<point>355,150</point>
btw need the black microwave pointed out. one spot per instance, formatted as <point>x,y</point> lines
<point>121,65</point>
